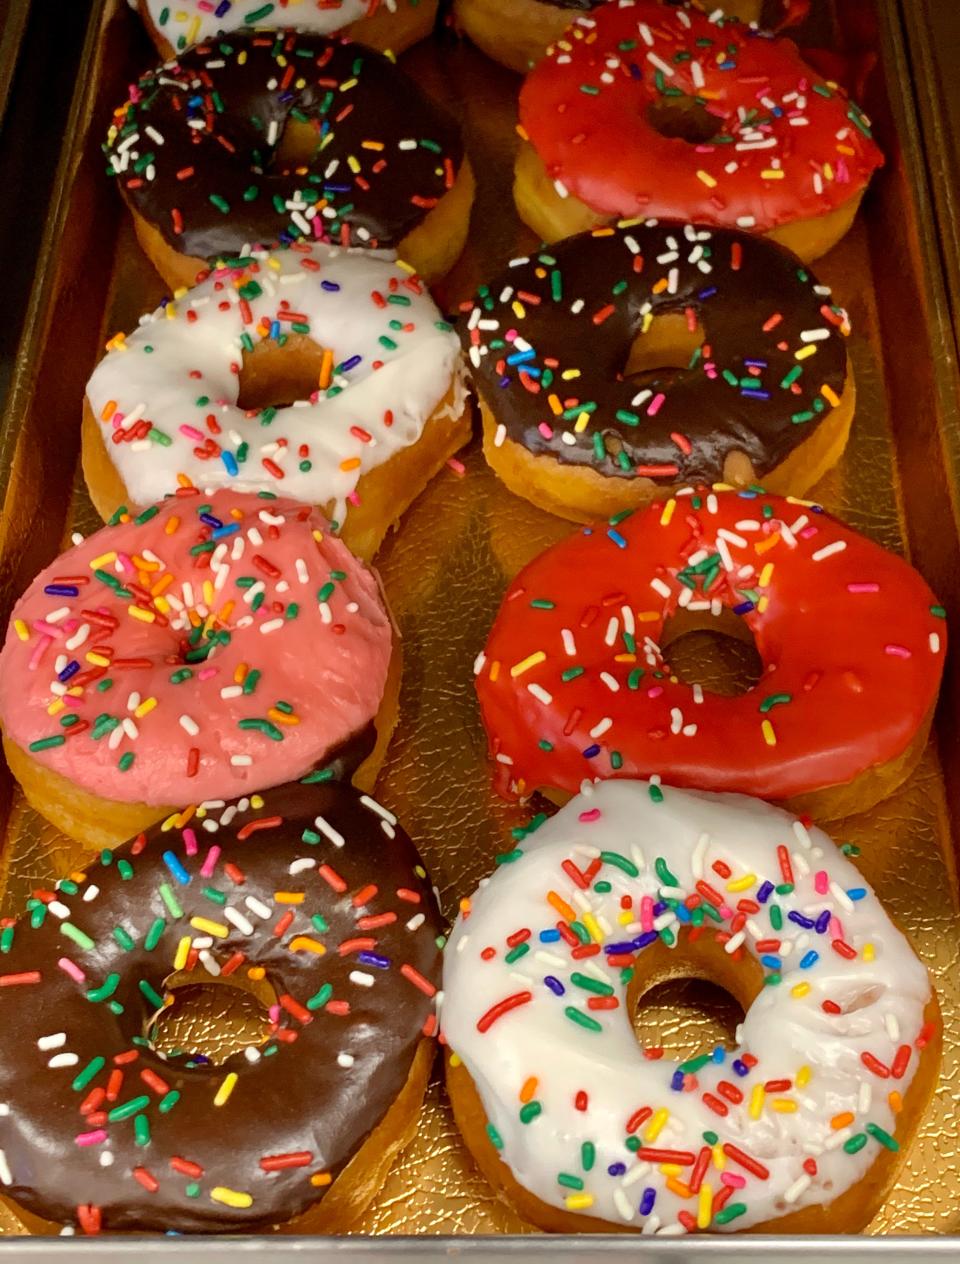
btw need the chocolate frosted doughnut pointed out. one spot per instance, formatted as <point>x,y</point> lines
<point>550,341</point>
<point>195,147</point>
<point>315,885</point>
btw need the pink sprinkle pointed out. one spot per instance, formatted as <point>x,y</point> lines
<point>592,815</point>
<point>655,692</point>
<point>353,498</point>
<point>91,1138</point>
<point>725,910</point>
<point>210,863</point>
<point>733,1179</point>
<point>821,883</point>
<point>646,912</point>
<point>458,467</point>
<point>808,532</point>
<point>836,928</point>
<point>863,588</point>
<point>511,335</point>
<point>273,1013</point>
<point>48,629</point>
<point>897,651</point>
<point>545,430</point>
<point>71,968</point>
<point>125,560</point>
<point>192,432</point>
<point>206,672</point>
<point>190,842</point>
<point>655,403</point>
<point>38,652</point>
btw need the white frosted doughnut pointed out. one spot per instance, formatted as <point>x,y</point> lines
<point>174,381</point>
<point>521,1014</point>
<point>195,21</point>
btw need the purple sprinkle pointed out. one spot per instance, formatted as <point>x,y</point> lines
<point>332,286</point>
<point>806,922</point>
<point>350,364</point>
<point>372,959</point>
<point>210,520</point>
<point>822,922</point>
<point>707,293</point>
<point>740,1068</point>
<point>755,364</point>
<point>554,984</point>
<point>591,751</point>
<point>676,1082</point>
<point>647,1201</point>
<point>755,394</point>
<point>71,669</point>
<point>61,590</point>
<point>765,892</point>
<point>743,608</point>
<point>617,1169</point>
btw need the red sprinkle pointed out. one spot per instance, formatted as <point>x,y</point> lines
<point>502,1007</point>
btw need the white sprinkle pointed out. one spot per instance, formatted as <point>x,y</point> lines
<point>209,963</point>
<point>58,909</point>
<point>660,587</point>
<point>345,1059</point>
<point>540,694</point>
<point>622,1204</point>
<point>271,625</point>
<point>6,1177</point>
<point>828,550</point>
<point>935,642</point>
<point>569,644</point>
<point>56,1041</point>
<point>62,1060</point>
<point>327,830</point>
<point>598,730</point>
<point>799,1186</point>
<point>106,1158</point>
<point>734,942</point>
<point>841,896</point>
<point>613,627</point>
<point>362,978</point>
<point>866,1097</point>
<point>416,922</point>
<point>190,725</point>
<point>892,1024</point>
<point>257,906</point>
<point>380,810</point>
<point>238,761</point>
<point>236,918</point>
<point>91,893</point>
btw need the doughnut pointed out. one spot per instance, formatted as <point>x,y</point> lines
<point>574,682</point>
<point>311,897</point>
<point>765,393</point>
<point>797,1129</point>
<point>209,647</point>
<point>354,340</point>
<point>517,33</point>
<point>641,110</point>
<point>287,138</point>
<point>380,24</point>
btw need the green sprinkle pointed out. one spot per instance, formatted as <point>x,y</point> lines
<point>879,1134</point>
<point>730,1212</point>
<point>89,1072</point>
<point>319,999</point>
<point>170,900</point>
<point>589,984</point>
<point>495,1139</point>
<point>168,1101</point>
<point>150,992</point>
<point>855,1143</point>
<point>568,1181</point>
<point>581,1019</point>
<point>695,1064</point>
<point>319,774</point>
<point>516,953</point>
<point>775,700</point>
<point>222,205</point>
<point>588,1155</point>
<point>153,935</point>
<point>508,857</point>
<point>123,939</point>
<point>47,743</point>
<point>126,1109</point>
<point>265,727</point>
<point>620,862</point>
<point>571,673</point>
<point>667,878</point>
<point>656,794</point>
<point>776,917</point>
<point>250,681</point>
<point>711,1138</point>
<point>125,761</point>
<point>141,1130</point>
<point>79,938</point>
<point>530,1111</point>
<point>541,603</point>
<point>6,939</point>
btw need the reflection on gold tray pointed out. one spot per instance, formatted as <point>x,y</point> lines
<point>444,572</point>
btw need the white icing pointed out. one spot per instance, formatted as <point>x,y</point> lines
<point>132,384</point>
<point>194,21</point>
<point>784,1032</point>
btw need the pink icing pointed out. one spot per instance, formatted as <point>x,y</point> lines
<point>327,660</point>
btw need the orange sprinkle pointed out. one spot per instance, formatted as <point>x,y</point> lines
<point>528,1089</point>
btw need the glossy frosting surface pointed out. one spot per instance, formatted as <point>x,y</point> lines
<point>188,21</point>
<point>572,682</point>
<point>166,395</point>
<point>549,340</point>
<point>315,888</point>
<point>535,1004</point>
<point>215,645</point>
<point>195,145</point>
<point>782,144</point>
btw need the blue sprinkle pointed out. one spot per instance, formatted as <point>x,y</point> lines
<point>755,394</point>
<point>857,893</point>
<point>798,918</point>
<point>617,1169</point>
<point>61,590</point>
<point>756,364</point>
<point>617,538</point>
<point>822,922</point>
<point>554,984</point>
<point>747,494</point>
<point>331,286</point>
<point>531,370</point>
<point>549,936</point>
<point>274,329</point>
<point>230,529</point>
<point>176,868</point>
<point>771,962</point>
<point>719,1054</point>
<point>592,751</point>
<point>71,669</point>
<point>374,959</point>
<point>809,959</point>
<point>232,468</point>
<point>683,913</point>
<point>210,520</point>
<point>765,892</point>
<point>740,1068</point>
<point>522,357</point>
<point>647,1201</point>
<point>676,1081</point>
<point>744,607</point>
<point>635,71</point>
<point>707,293</point>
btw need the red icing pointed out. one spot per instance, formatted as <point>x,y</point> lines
<point>601,147</point>
<point>860,666</point>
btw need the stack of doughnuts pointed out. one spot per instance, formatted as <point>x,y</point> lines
<point>202,691</point>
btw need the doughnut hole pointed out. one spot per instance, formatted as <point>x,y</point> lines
<point>274,376</point>
<point>682,118</point>
<point>211,1016</point>
<point>670,341</point>
<point>715,651</point>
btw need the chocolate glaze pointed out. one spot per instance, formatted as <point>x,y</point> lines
<point>243,109</point>
<point>735,283</point>
<point>301,1099</point>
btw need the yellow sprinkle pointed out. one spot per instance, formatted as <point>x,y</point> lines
<point>169,823</point>
<point>348,84</point>
<point>705,1206</point>
<point>103,560</point>
<point>830,395</point>
<point>756,1101</point>
<point>56,707</point>
<point>763,603</point>
<point>192,32</point>
<point>303,943</point>
<point>772,173</point>
<point>372,144</point>
<point>578,1202</point>
<point>784,1105</point>
<point>208,596</point>
<point>21,629</point>
<point>210,928</point>
<point>256,973</point>
<point>625,918</point>
<point>805,352</point>
<point>525,664</point>
<point>145,616</point>
<point>869,952</point>
<point>801,990</point>
<point>583,420</point>
<point>707,179</point>
<point>667,514</point>
<point>743,883</point>
<point>230,1197</point>
<point>518,309</point>
<point>321,1178</point>
<point>802,1078</point>
<point>719,1158</point>
<point>828,170</point>
<point>256,801</point>
<point>769,736</point>
<point>455,1060</point>
<point>183,951</point>
<point>765,575</point>
<point>646,322</point>
<point>145,707</point>
<point>288,897</point>
<point>601,232</point>
<point>354,164</point>
<point>656,1124</point>
<point>225,1089</point>
<point>592,926</point>
<point>568,375</point>
<point>671,1169</point>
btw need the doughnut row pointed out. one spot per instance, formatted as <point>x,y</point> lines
<point>201,692</point>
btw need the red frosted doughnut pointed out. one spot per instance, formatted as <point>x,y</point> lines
<point>787,147</point>
<point>573,685</point>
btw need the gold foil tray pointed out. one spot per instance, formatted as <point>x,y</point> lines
<point>445,570</point>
